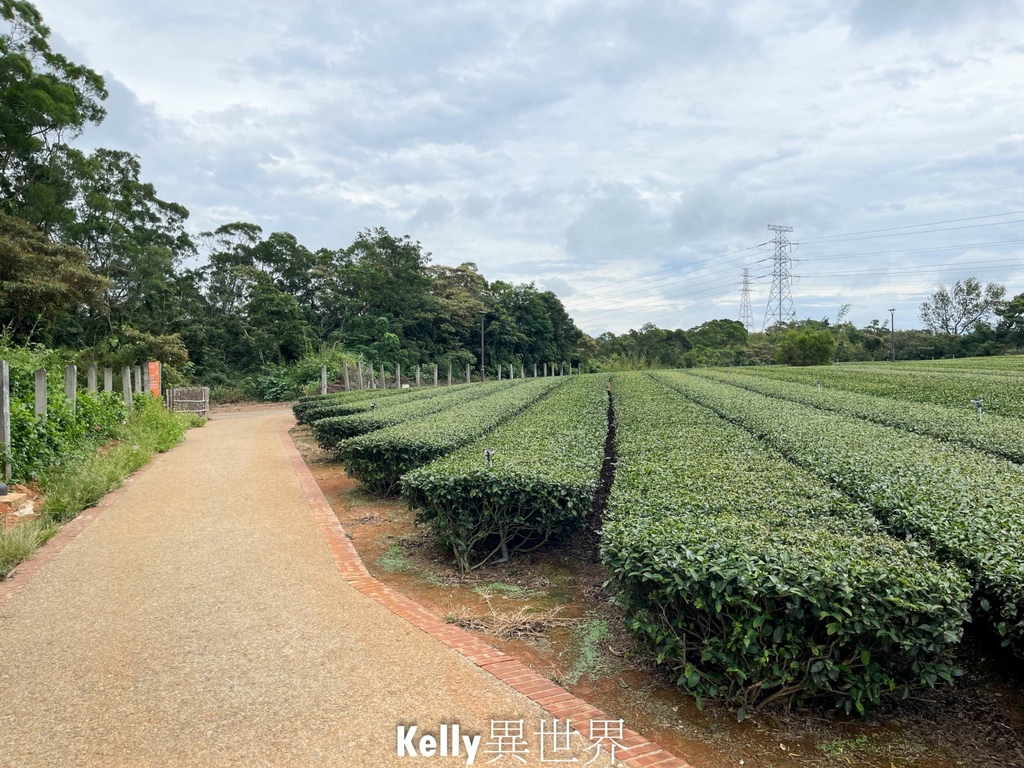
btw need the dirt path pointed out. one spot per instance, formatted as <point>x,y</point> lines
<point>201,621</point>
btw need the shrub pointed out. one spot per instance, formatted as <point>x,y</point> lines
<point>968,506</point>
<point>547,465</point>
<point>380,458</point>
<point>755,582</point>
<point>998,435</point>
<point>331,431</point>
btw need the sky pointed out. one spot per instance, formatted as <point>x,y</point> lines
<point>628,156</point>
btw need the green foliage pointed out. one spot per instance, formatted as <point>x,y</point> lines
<point>312,407</point>
<point>45,100</point>
<point>83,480</point>
<point>547,463</point>
<point>331,431</point>
<point>752,580</point>
<point>38,445</point>
<point>589,659</point>
<point>17,543</point>
<point>968,506</point>
<point>806,347</point>
<point>40,280</point>
<point>380,458</point>
<point>70,488</point>
<point>956,311</point>
<point>998,435</point>
<point>953,389</point>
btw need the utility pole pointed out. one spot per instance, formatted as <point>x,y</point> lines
<point>746,313</point>
<point>892,335</point>
<point>780,300</point>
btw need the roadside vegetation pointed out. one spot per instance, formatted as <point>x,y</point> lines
<point>84,476</point>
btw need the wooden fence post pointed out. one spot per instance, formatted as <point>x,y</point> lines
<point>40,393</point>
<point>90,378</point>
<point>5,416</point>
<point>126,387</point>
<point>108,380</point>
<point>346,376</point>
<point>71,385</point>
<point>323,379</point>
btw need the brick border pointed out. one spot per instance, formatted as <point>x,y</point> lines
<point>640,752</point>
<point>26,570</point>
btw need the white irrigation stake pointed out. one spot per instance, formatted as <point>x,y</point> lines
<point>979,405</point>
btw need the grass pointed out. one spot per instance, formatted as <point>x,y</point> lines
<point>841,747</point>
<point>81,483</point>
<point>589,659</point>
<point>394,560</point>
<point>502,589</point>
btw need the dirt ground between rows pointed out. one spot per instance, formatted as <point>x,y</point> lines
<point>549,610</point>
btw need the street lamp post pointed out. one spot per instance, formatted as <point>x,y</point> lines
<point>892,335</point>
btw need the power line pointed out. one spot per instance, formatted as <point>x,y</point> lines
<point>913,226</point>
<point>996,267</point>
<point>597,296</point>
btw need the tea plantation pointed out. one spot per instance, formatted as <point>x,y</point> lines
<point>773,535</point>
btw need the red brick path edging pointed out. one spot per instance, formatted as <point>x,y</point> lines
<point>640,752</point>
<point>26,570</point>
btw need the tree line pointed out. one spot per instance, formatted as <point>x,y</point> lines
<point>964,320</point>
<point>92,258</point>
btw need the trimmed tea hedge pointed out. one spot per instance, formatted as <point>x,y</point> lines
<point>380,458</point>
<point>968,506</point>
<point>547,466</point>
<point>388,399</point>
<point>998,435</point>
<point>752,580</point>
<point>331,431</point>
<point>1003,395</point>
<point>307,409</point>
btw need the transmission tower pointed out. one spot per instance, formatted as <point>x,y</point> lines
<point>746,313</point>
<point>780,300</point>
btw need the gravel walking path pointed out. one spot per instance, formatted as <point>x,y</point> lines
<point>201,621</point>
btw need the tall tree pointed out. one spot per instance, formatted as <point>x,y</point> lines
<point>45,102</point>
<point>957,311</point>
<point>40,281</point>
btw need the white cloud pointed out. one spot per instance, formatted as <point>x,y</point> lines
<point>585,145</point>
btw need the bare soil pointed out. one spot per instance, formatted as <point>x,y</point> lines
<point>977,722</point>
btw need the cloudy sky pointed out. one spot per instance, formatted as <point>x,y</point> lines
<point>626,155</point>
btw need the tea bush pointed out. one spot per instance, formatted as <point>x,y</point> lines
<point>546,468</point>
<point>754,581</point>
